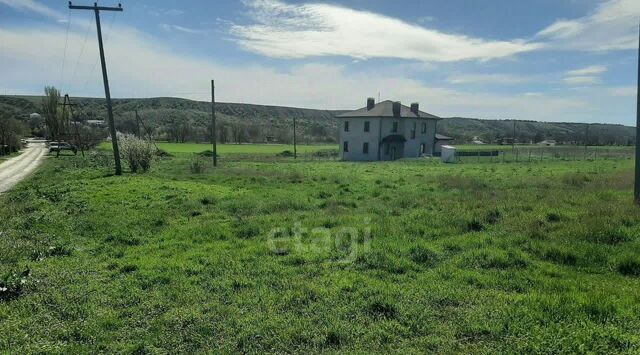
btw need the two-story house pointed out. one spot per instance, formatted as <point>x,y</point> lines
<point>386,131</point>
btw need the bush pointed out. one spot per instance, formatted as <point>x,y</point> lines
<point>138,153</point>
<point>285,153</point>
<point>197,165</point>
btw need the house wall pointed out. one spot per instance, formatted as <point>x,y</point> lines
<point>412,148</point>
<point>356,136</point>
<point>380,128</point>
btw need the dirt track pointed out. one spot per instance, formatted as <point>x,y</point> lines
<point>15,169</point>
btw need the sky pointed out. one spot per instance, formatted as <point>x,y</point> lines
<point>545,60</point>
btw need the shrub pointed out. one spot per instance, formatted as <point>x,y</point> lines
<point>138,153</point>
<point>197,165</point>
<point>285,153</point>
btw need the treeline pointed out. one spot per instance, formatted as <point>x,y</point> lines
<point>189,126</point>
<point>182,120</point>
<point>490,131</point>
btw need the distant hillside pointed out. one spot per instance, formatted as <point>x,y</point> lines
<point>182,119</point>
<point>465,129</point>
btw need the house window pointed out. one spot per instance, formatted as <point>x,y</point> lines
<point>366,126</point>
<point>365,148</point>
<point>394,128</point>
<point>413,131</point>
<point>424,128</point>
<point>346,126</point>
<point>345,147</point>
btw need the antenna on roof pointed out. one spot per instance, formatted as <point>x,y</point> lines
<point>378,96</point>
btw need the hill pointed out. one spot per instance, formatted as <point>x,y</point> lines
<point>178,119</point>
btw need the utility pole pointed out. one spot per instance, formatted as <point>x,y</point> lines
<point>138,125</point>
<point>112,127</point>
<point>213,124</point>
<point>295,151</point>
<point>67,102</point>
<point>586,141</point>
<point>636,190</point>
<point>513,139</point>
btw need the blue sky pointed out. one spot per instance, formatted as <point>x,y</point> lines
<point>550,60</point>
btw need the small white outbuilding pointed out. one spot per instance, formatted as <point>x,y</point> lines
<point>448,154</point>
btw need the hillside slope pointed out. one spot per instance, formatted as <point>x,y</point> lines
<point>250,122</point>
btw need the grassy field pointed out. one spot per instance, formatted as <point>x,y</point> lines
<point>235,148</point>
<point>412,256</point>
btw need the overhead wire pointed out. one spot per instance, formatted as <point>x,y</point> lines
<point>84,43</point>
<point>64,55</point>
<point>95,64</point>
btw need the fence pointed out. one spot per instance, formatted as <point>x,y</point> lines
<point>533,154</point>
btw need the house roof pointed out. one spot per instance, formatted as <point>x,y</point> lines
<point>385,109</point>
<point>441,137</point>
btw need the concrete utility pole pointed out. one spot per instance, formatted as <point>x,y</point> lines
<point>295,151</point>
<point>636,190</point>
<point>105,78</point>
<point>213,124</point>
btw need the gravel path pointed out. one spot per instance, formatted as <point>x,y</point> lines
<point>15,169</point>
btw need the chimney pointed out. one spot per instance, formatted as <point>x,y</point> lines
<point>415,108</point>
<point>370,103</point>
<point>396,108</point>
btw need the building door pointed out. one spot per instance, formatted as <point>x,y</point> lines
<point>393,153</point>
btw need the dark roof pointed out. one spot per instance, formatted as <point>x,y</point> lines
<point>394,138</point>
<point>441,137</point>
<point>385,109</point>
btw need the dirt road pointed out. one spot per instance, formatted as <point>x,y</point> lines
<point>15,169</point>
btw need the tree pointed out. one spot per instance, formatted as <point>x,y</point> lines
<point>11,130</point>
<point>52,115</point>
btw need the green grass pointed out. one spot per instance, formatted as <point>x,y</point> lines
<point>464,258</point>
<point>235,148</point>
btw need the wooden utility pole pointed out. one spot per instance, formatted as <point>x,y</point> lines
<point>586,141</point>
<point>112,127</point>
<point>295,151</point>
<point>213,124</point>
<point>513,137</point>
<point>67,102</point>
<point>138,125</point>
<point>636,190</point>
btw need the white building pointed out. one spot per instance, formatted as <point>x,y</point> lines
<point>386,131</point>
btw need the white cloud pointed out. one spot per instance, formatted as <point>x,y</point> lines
<point>581,80</point>
<point>504,79</point>
<point>629,91</point>
<point>585,76</point>
<point>33,6</point>
<point>283,30</point>
<point>612,26</point>
<point>591,70</point>
<point>168,27</point>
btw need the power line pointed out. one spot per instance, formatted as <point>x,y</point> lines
<point>66,42</point>
<point>95,64</point>
<point>84,43</point>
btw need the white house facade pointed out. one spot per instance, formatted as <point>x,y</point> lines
<point>386,131</point>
